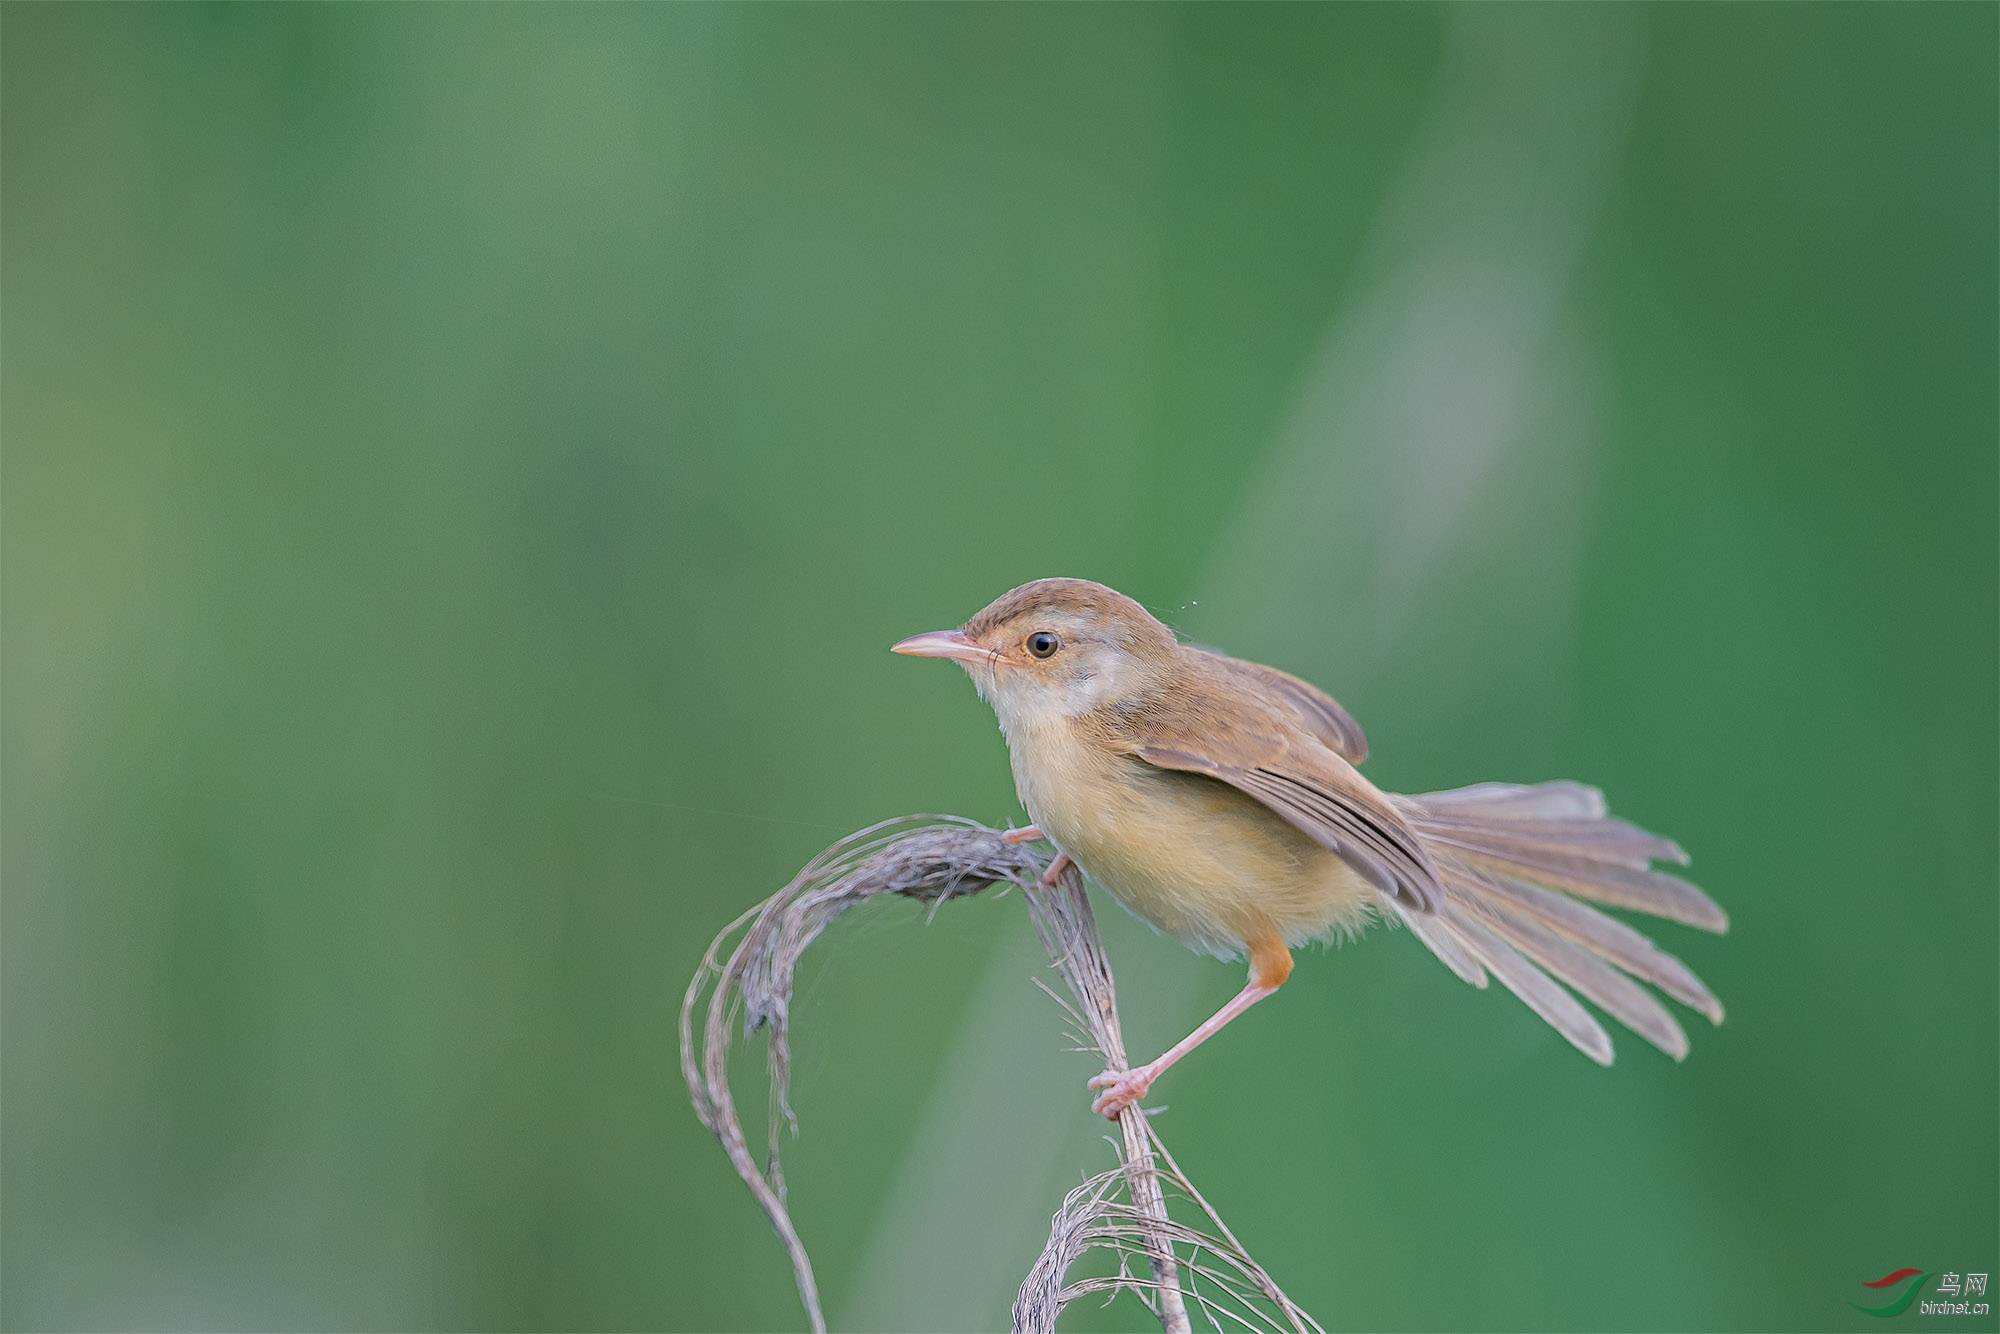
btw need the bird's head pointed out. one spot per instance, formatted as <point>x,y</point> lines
<point>1055,648</point>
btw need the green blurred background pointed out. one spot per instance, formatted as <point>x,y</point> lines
<point>463,468</point>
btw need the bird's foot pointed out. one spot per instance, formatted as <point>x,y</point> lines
<point>1121,1088</point>
<point>1025,835</point>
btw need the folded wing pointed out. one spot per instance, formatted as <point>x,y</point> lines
<point>1318,712</point>
<point>1233,730</point>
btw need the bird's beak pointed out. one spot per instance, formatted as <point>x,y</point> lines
<point>944,644</point>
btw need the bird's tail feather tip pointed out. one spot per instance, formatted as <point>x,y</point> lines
<point>1516,861</point>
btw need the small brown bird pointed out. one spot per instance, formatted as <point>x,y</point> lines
<point>1219,800</point>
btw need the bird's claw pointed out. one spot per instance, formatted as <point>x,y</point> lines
<point>1121,1088</point>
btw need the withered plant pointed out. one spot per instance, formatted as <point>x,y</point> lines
<point>1128,1212</point>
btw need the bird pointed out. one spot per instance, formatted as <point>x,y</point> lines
<point>1221,801</point>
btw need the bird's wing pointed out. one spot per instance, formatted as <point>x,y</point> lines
<point>1319,712</point>
<point>1213,726</point>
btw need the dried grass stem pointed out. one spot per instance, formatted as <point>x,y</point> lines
<point>1125,1211</point>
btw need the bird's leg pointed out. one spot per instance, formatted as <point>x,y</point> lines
<point>1025,835</point>
<point>1270,965</point>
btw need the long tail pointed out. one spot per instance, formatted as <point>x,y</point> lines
<point>1515,861</point>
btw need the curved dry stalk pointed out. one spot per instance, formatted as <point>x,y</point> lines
<point>929,858</point>
<point>1124,1211</point>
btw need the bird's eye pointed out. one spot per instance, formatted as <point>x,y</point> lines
<point>1044,643</point>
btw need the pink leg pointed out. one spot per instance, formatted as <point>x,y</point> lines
<point>1027,835</point>
<point>1270,965</point>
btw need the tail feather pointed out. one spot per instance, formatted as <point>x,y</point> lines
<point>1505,851</point>
<point>1520,801</point>
<point>1569,816</point>
<point>1612,842</point>
<point>1606,936</point>
<point>1595,980</point>
<point>1653,892</point>
<point>1531,984</point>
<point>1440,942</point>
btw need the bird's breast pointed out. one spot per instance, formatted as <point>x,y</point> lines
<point>1187,853</point>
